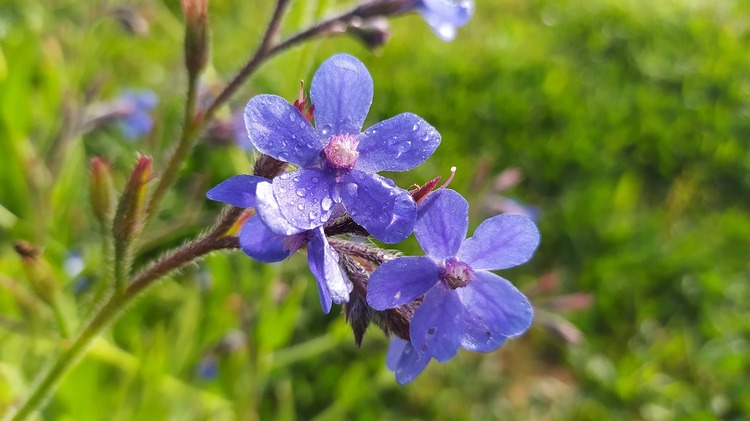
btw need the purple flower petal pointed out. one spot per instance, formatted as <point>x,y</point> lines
<point>305,196</point>
<point>262,244</point>
<point>278,129</point>
<point>497,305</point>
<point>267,208</point>
<point>404,360</point>
<point>341,91</point>
<point>444,16</point>
<point>478,335</point>
<point>500,242</point>
<point>397,144</point>
<point>333,285</point>
<point>386,211</point>
<point>236,191</point>
<point>400,281</point>
<point>442,221</point>
<point>437,325</point>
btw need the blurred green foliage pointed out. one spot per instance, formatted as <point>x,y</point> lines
<point>630,120</point>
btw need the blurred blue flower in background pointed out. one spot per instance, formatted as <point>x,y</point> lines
<point>134,112</point>
<point>445,16</point>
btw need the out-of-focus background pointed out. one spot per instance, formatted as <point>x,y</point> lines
<point>621,125</point>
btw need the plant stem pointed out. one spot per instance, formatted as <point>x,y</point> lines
<point>118,301</point>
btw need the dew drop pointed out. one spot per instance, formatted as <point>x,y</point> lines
<point>407,350</point>
<point>325,130</point>
<point>397,295</point>
<point>296,179</point>
<point>283,143</point>
<point>383,218</point>
<point>427,138</point>
<point>415,127</point>
<point>284,176</point>
<point>351,190</point>
<point>399,370</point>
<point>301,124</point>
<point>301,192</point>
<point>326,203</point>
<point>315,179</point>
<point>301,206</point>
<point>403,147</point>
<point>294,136</point>
<point>283,157</point>
<point>323,218</point>
<point>312,215</point>
<point>282,189</point>
<point>292,117</point>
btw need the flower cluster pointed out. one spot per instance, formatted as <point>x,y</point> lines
<point>316,186</point>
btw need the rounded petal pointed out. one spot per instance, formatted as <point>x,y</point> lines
<point>267,208</point>
<point>445,16</point>
<point>262,244</point>
<point>386,211</point>
<point>404,360</point>
<point>494,304</point>
<point>478,335</point>
<point>442,221</point>
<point>437,325</point>
<point>278,129</point>
<point>305,197</point>
<point>333,285</point>
<point>236,191</point>
<point>400,281</point>
<point>500,242</point>
<point>341,91</point>
<point>397,144</point>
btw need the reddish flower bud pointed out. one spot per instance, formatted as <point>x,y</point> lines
<point>196,34</point>
<point>101,192</point>
<point>129,214</point>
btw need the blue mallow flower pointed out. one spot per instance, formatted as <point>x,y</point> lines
<point>337,162</point>
<point>445,16</point>
<point>134,112</point>
<point>262,243</point>
<point>464,304</point>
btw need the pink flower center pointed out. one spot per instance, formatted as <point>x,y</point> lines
<point>456,274</point>
<point>341,152</point>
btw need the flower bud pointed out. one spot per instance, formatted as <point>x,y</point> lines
<point>196,35</point>
<point>129,214</point>
<point>37,270</point>
<point>374,32</point>
<point>101,192</point>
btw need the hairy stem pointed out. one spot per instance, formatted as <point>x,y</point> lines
<point>118,301</point>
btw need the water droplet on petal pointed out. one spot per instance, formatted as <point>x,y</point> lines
<point>351,189</point>
<point>407,350</point>
<point>383,218</point>
<point>284,176</point>
<point>292,117</point>
<point>301,192</point>
<point>415,127</point>
<point>294,136</point>
<point>399,370</point>
<point>301,206</point>
<point>283,156</point>
<point>326,203</point>
<point>312,215</point>
<point>403,147</point>
<point>397,295</point>
<point>315,179</point>
<point>301,124</point>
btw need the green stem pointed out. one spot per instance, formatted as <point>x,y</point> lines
<point>190,128</point>
<point>118,301</point>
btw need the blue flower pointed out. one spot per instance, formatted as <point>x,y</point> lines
<point>464,304</point>
<point>263,243</point>
<point>337,163</point>
<point>445,16</point>
<point>134,108</point>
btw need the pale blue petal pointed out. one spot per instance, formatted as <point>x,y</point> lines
<point>442,221</point>
<point>500,242</point>
<point>341,91</point>
<point>497,306</point>
<point>305,196</point>
<point>437,325</point>
<point>397,144</point>
<point>405,361</point>
<point>267,208</point>
<point>236,191</point>
<point>262,244</point>
<point>400,281</point>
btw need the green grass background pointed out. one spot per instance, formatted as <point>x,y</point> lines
<point>630,120</point>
